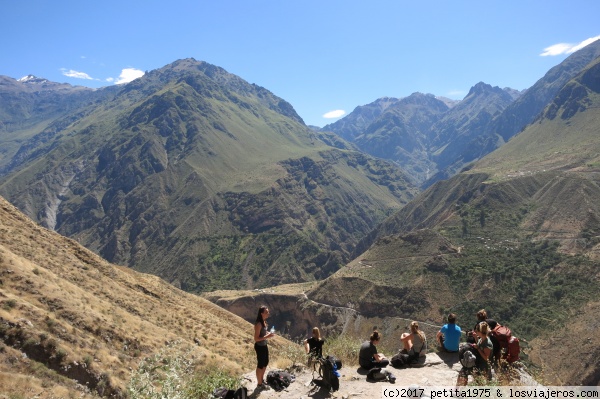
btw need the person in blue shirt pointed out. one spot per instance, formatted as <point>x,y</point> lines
<point>449,335</point>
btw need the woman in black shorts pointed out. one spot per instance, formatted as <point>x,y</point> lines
<point>260,345</point>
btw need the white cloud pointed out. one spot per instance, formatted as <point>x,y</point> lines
<point>334,114</point>
<point>127,75</point>
<point>567,48</point>
<point>75,74</point>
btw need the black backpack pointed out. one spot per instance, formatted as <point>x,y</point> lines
<point>466,356</point>
<point>279,379</point>
<point>328,373</point>
<point>400,360</point>
<point>224,393</point>
<point>335,360</point>
<point>376,374</point>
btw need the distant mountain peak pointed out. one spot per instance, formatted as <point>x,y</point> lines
<point>32,79</point>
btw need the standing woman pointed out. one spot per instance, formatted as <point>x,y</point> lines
<point>260,345</point>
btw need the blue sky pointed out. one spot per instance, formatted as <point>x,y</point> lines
<point>321,56</point>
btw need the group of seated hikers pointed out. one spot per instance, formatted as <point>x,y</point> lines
<point>480,341</point>
<point>483,342</point>
<point>414,346</point>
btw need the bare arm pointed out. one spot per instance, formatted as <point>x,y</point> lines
<point>485,352</point>
<point>257,337</point>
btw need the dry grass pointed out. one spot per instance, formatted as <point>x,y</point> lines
<point>57,295</point>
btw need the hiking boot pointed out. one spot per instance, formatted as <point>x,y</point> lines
<point>264,387</point>
<point>391,377</point>
<point>259,387</point>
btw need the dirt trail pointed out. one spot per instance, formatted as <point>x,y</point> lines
<point>437,370</point>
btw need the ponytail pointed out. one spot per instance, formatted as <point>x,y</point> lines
<point>376,336</point>
<point>414,328</point>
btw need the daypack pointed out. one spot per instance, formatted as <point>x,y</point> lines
<point>224,393</point>
<point>466,356</point>
<point>328,373</point>
<point>502,334</point>
<point>510,345</point>
<point>279,379</point>
<point>376,374</point>
<point>335,360</point>
<point>513,350</point>
<point>400,360</point>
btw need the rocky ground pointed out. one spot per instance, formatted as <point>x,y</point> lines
<point>437,370</point>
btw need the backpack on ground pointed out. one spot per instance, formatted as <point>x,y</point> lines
<point>329,376</point>
<point>224,393</point>
<point>335,360</point>
<point>400,360</point>
<point>466,356</point>
<point>403,359</point>
<point>376,374</point>
<point>279,379</point>
<point>509,344</point>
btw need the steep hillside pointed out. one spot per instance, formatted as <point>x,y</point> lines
<point>518,234</point>
<point>465,132</point>
<point>353,125</point>
<point>30,105</point>
<point>458,140</point>
<point>402,133</point>
<point>72,324</point>
<point>527,107</point>
<point>197,176</point>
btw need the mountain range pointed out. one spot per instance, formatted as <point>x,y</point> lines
<point>516,233</point>
<point>194,175</point>
<point>434,139</point>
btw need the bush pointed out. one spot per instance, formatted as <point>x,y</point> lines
<point>9,304</point>
<point>171,374</point>
<point>203,384</point>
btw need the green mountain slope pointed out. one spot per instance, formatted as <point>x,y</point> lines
<point>518,234</point>
<point>195,175</point>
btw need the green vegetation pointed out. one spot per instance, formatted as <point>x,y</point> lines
<point>209,182</point>
<point>172,374</point>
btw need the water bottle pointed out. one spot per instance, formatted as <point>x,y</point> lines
<point>273,329</point>
<point>335,370</point>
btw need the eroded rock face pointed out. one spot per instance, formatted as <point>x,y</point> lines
<point>296,315</point>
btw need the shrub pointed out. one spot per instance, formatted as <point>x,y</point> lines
<point>344,347</point>
<point>289,355</point>
<point>9,304</point>
<point>171,374</point>
<point>203,384</point>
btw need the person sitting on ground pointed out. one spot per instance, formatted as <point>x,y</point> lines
<point>314,345</point>
<point>448,337</point>
<point>483,350</point>
<point>414,343</point>
<point>368,357</point>
<point>482,315</point>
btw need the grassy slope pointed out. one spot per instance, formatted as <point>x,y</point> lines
<point>517,234</point>
<point>61,300</point>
